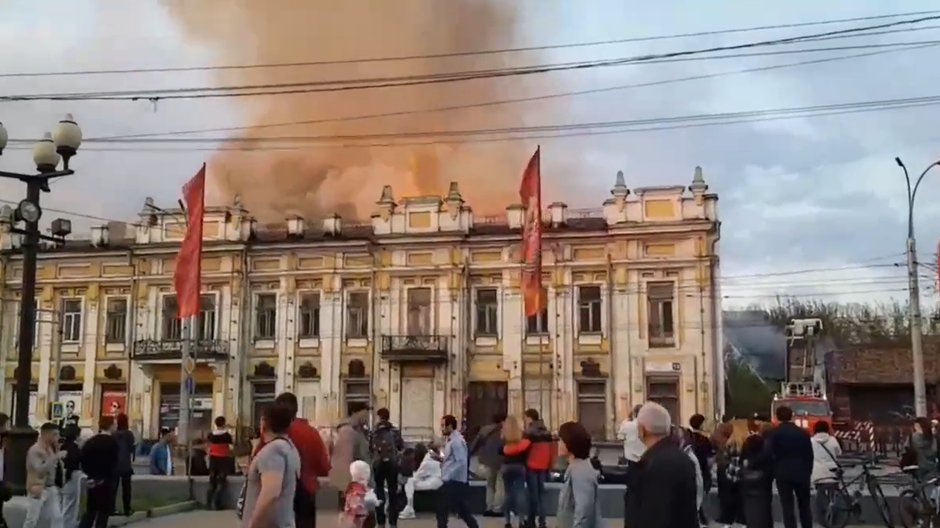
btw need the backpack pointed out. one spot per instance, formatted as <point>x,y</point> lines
<point>385,444</point>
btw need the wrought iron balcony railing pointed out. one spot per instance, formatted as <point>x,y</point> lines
<point>415,348</point>
<point>201,350</point>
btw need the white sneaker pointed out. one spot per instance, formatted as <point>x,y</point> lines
<point>407,513</point>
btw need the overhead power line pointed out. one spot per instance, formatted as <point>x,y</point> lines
<point>500,102</point>
<point>417,80</point>
<point>469,53</point>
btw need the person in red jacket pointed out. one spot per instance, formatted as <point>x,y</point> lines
<point>314,462</point>
<point>537,443</point>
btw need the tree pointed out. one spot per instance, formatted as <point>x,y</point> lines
<point>746,393</point>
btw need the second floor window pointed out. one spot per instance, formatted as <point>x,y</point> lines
<point>309,315</point>
<point>487,313</point>
<point>659,303</point>
<point>71,320</point>
<point>116,320</point>
<point>589,309</point>
<point>206,318</point>
<point>357,315</point>
<point>537,324</point>
<point>266,316</point>
<point>419,311</point>
<point>172,327</point>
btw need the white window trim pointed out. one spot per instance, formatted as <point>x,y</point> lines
<point>162,317</point>
<point>61,316</point>
<point>114,346</point>
<point>675,311</point>
<point>345,314</point>
<point>307,342</point>
<point>481,339</point>
<point>263,342</point>
<point>602,288</point>
<point>218,312</point>
<point>405,306</point>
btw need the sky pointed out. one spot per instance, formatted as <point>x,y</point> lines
<point>813,193</point>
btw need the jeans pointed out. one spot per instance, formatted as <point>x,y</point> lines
<point>514,477</point>
<point>494,490</point>
<point>535,485</point>
<point>125,481</point>
<point>455,497</point>
<point>386,473</point>
<point>219,469</point>
<point>45,507</point>
<point>100,504</point>
<point>72,499</point>
<point>800,491</point>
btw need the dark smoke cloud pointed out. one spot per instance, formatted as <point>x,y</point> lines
<point>318,180</point>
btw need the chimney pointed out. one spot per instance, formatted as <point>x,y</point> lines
<point>515,213</point>
<point>296,226</point>
<point>333,225</point>
<point>558,211</point>
<point>100,236</point>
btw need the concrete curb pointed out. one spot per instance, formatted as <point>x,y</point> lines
<point>161,511</point>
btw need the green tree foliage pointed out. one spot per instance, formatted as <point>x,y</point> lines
<point>747,394</point>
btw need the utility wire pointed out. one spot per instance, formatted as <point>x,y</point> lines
<point>501,102</point>
<point>388,82</point>
<point>398,58</point>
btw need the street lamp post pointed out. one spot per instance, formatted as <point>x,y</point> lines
<point>60,145</point>
<point>913,287</point>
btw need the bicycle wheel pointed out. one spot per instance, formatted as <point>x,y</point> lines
<point>834,507</point>
<point>881,503</point>
<point>912,512</point>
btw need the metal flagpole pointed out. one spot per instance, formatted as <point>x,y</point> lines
<point>186,379</point>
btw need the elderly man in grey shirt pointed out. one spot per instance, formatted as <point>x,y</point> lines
<point>455,472</point>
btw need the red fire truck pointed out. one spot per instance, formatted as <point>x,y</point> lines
<point>807,401</point>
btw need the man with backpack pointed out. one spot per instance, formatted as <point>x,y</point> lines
<point>386,447</point>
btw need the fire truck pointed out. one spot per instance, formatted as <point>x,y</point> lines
<point>804,389</point>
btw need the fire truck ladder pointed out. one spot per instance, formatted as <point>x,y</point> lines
<point>801,349</point>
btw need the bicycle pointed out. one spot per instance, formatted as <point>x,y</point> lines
<point>918,505</point>
<point>838,504</point>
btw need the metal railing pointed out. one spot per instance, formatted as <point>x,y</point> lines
<point>203,349</point>
<point>417,347</point>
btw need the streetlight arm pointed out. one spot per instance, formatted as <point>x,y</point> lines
<point>33,177</point>
<point>920,179</point>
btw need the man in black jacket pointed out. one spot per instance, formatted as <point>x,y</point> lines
<point>662,486</point>
<point>791,450</point>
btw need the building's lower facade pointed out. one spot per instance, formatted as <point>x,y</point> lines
<point>419,310</point>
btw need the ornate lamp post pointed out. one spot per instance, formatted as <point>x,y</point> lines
<point>58,146</point>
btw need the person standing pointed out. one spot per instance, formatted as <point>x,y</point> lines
<point>514,469</point>
<point>704,452</point>
<point>99,461</point>
<point>72,477</point>
<point>350,443</point>
<point>755,479</point>
<point>578,502</point>
<point>633,447</point>
<point>386,446</point>
<point>487,446</point>
<point>791,450</point>
<point>538,462</point>
<point>161,454</point>
<point>42,461</point>
<point>662,487</point>
<point>221,462</point>
<point>274,474</point>
<point>125,466</point>
<point>455,472</point>
<point>826,453</point>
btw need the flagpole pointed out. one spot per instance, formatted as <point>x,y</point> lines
<point>185,380</point>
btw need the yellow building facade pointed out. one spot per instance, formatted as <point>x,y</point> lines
<point>418,310</point>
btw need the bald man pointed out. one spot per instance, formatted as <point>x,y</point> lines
<point>662,486</point>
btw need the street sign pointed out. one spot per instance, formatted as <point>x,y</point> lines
<point>190,385</point>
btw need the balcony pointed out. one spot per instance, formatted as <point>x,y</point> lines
<point>414,348</point>
<point>160,350</point>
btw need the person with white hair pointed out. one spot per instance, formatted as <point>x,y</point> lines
<point>663,490</point>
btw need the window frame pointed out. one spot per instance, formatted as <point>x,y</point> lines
<point>216,322</point>
<point>477,332</point>
<point>109,315</point>
<point>67,319</point>
<point>301,334</point>
<point>600,432</point>
<point>407,307</point>
<point>256,316</point>
<point>164,320</point>
<point>661,339</point>
<point>600,309</point>
<point>539,332</point>
<point>365,315</point>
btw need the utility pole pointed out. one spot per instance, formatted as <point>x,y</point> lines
<point>913,288</point>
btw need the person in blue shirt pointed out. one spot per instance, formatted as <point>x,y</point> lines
<point>455,472</point>
<point>161,455</point>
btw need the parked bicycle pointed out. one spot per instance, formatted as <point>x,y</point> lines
<point>839,501</point>
<point>918,505</point>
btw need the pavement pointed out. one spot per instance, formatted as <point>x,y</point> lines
<point>226,519</point>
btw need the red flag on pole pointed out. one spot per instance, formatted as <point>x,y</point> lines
<point>531,193</point>
<point>186,279</point>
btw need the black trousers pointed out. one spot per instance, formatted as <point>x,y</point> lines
<point>729,500</point>
<point>219,470</point>
<point>386,474</point>
<point>455,497</point>
<point>800,491</point>
<point>125,481</point>
<point>99,505</point>
<point>305,509</point>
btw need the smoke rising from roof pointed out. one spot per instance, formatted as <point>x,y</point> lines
<point>318,180</point>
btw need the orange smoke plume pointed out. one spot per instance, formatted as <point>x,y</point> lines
<point>319,180</point>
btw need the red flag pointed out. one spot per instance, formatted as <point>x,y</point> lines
<point>531,193</point>
<point>189,261</point>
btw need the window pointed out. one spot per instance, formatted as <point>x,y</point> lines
<point>358,395</point>
<point>116,320</point>
<point>309,315</point>
<point>664,391</point>
<point>206,317</point>
<point>487,313</point>
<point>357,315</point>
<point>592,408</point>
<point>419,311</point>
<point>659,298</point>
<point>589,309</point>
<point>537,324</point>
<point>266,316</point>
<point>172,327</point>
<point>71,320</point>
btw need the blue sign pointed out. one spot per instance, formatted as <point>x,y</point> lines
<point>190,385</point>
